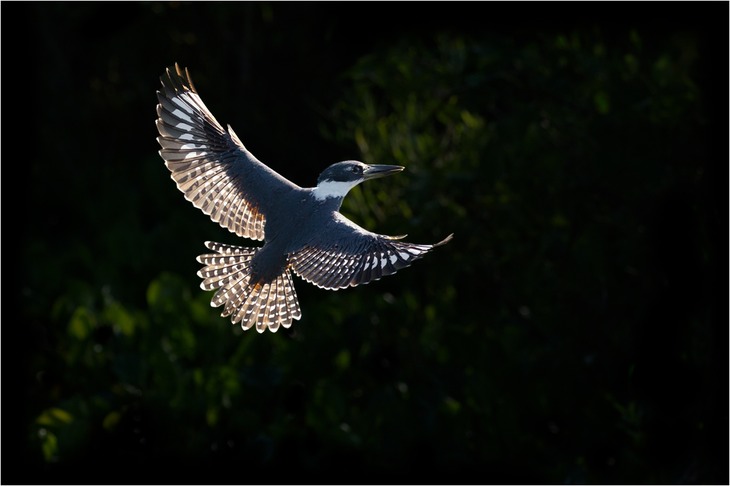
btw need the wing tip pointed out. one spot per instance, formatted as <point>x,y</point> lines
<point>444,241</point>
<point>179,79</point>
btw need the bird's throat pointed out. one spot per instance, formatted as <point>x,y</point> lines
<point>330,189</point>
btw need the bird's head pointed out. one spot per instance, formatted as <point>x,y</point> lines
<point>337,179</point>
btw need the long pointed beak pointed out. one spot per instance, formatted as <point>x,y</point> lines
<point>375,171</point>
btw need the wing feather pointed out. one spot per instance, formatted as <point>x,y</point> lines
<point>346,255</point>
<point>209,164</point>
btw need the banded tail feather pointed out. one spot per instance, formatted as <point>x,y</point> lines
<point>228,271</point>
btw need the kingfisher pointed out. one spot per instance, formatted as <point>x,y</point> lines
<point>302,228</point>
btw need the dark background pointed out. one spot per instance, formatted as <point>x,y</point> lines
<point>574,331</point>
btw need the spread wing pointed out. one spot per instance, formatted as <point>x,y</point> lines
<point>209,164</point>
<point>345,255</point>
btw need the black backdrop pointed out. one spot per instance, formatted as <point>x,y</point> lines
<point>575,330</point>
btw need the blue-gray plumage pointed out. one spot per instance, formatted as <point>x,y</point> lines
<point>302,228</point>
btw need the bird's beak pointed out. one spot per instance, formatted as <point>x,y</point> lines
<point>375,171</point>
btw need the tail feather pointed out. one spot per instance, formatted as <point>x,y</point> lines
<point>267,309</point>
<point>245,312</point>
<point>228,271</point>
<point>290,300</point>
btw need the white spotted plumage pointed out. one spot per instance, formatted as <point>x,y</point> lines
<point>218,175</point>
<point>198,151</point>
<point>271,305</point>
<point>335,268</point>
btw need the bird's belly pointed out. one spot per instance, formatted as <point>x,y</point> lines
<point>267,264</point>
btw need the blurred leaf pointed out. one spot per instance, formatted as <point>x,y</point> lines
<point>81,324</point>
<point>342,360</point>
<point>111,420</point>
<point>122,321</point>
<point>602,102</point>
<point>167,293</point>
<point>49,445</point>
<point>54,417</point>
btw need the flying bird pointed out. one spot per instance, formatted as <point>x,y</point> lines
<point>302,228</point>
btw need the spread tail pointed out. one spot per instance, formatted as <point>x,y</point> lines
<point>228,271</point>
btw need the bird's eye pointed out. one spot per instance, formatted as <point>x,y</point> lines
<point>357,169</point>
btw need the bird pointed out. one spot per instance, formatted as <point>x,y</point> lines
<point>302,228</point>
